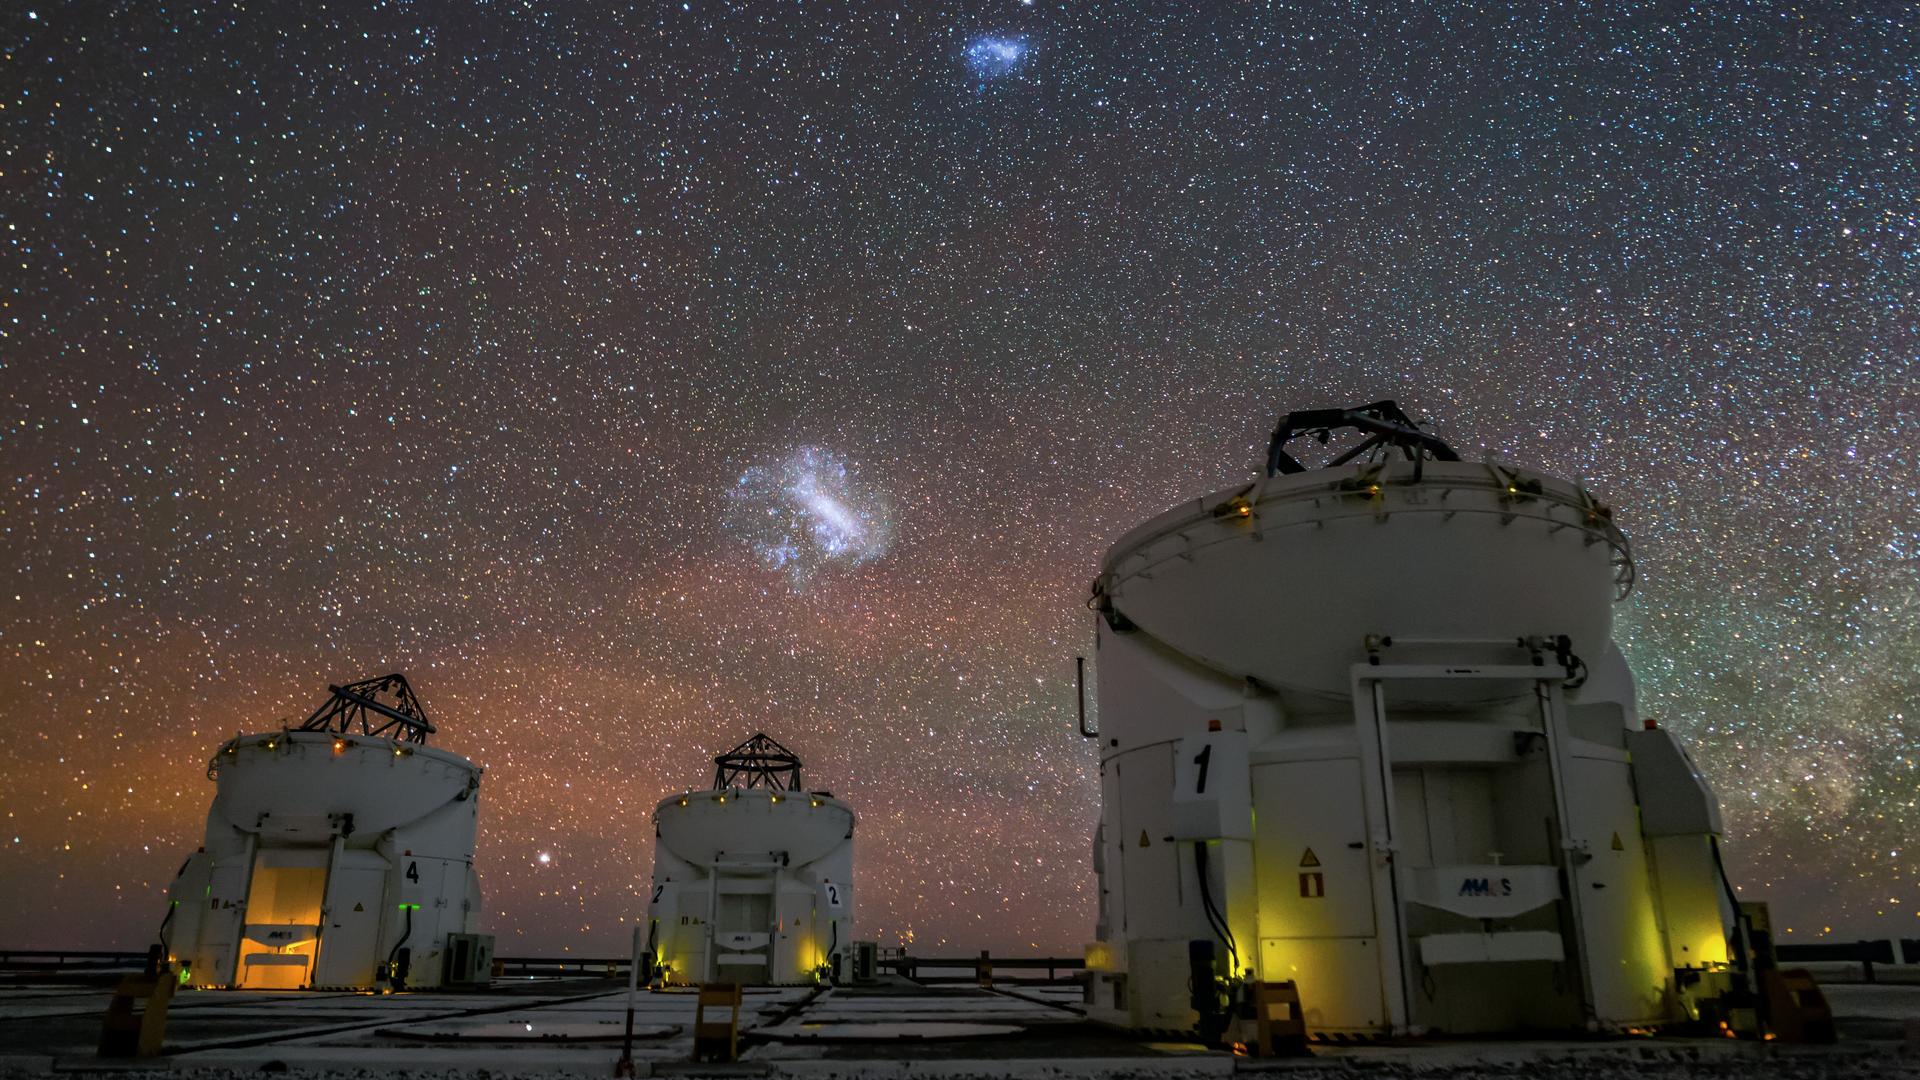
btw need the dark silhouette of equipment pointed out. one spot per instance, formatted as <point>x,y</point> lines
<point>358,709</point>
<point>757,763</point>
<point>1384,424</point>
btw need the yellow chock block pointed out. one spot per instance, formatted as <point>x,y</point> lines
<point>717,1040</point>
<point>127,1031</point>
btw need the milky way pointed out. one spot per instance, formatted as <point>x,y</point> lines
<point>435,338</point>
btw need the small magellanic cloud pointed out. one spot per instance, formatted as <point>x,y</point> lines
<point>991,57</point>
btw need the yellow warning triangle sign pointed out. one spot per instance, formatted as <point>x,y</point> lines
<point>1617,845</point>
<point>1143,838</point>
<point>1309,858</point>
<point>359,907</point>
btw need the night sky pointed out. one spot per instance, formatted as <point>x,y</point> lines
<point>635,377</point>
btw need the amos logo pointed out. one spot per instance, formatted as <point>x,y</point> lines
<point>1479,886</point>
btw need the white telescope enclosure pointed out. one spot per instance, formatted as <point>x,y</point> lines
<point>1363,727</point>
<point>753,877</point>
<point>337,855</point>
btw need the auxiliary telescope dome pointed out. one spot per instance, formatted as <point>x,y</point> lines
<point>1364,729</point>
<point>752,877</point>
<point>338,854</point>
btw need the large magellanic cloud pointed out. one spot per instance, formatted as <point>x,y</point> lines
<point>807,513</point>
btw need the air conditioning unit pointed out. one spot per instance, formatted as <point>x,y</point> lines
<point>469,960</point>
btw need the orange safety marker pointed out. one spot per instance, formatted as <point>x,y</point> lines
<point>1280,1023</point>
<point>717,1040</point>
<point>126,1032</point>
<point>1796,1009</point>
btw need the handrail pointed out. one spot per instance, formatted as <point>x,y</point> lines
<point>1080,687</point>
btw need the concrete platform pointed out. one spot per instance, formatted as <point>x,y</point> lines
<point>1012,1031</point>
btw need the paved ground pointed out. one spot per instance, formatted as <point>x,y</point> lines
<point>572,1026</point>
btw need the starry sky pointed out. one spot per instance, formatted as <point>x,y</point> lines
<point>638,376</point>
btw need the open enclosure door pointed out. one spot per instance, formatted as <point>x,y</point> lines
<point>283,920</point>
<point>742,938</point>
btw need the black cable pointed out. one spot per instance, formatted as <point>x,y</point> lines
<point>1206,900</point>
<point>173,908</point>
<point>1726,883</point>
<point>1220,920</point>
<point>166,947</point>
<point>653,938</point>
<point>1215,919</point>
<point>1576,667</point>
<point>391,974</point>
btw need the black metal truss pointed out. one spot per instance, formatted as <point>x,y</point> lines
<point>357,708</point>
<point>1383,422</point>
<point>757,763</point>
